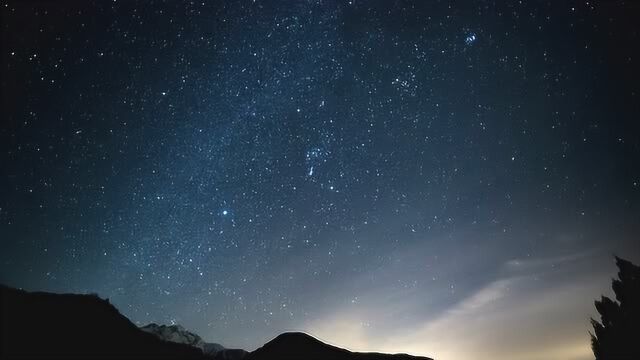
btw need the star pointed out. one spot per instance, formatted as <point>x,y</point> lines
<point>470,38</point>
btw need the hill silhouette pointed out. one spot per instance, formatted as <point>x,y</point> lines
<point>40,325</point>
<point>68,326</point>
<point>296,345</point>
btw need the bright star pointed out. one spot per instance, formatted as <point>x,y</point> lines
<point>470,38</point>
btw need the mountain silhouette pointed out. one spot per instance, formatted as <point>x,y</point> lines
<point>296,346</point>
<point>40,325</point>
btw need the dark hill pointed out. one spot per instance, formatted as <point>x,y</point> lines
<point>66,326</point>
<point>296,346</point>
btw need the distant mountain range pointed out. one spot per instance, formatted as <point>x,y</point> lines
<point>178,334</point>
<point>39,325</point>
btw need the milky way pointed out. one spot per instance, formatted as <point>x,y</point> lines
<point>443,178</point>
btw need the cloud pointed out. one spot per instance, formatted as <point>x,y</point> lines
<point>499,323</point>
<point>517,316</point>
<point>540,264</point>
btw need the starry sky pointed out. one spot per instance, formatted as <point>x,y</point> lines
<point>445,178</point>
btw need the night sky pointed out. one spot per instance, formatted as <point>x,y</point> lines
<point>449,179</point>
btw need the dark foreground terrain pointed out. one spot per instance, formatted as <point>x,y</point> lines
<point>66,326</point>
<point>38,325</point>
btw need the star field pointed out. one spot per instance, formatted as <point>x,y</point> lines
<point>375,173</point>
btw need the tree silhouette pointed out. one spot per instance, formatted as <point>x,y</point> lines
<point>617,335</point>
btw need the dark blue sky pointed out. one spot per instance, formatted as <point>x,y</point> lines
<point>386,175</point>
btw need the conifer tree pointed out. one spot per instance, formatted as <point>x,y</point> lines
<point>617,334</point>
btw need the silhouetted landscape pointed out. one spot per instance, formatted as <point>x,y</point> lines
<point>46,325</point>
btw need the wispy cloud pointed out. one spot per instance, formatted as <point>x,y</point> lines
<point>517,316</point>
<point>540,264</point>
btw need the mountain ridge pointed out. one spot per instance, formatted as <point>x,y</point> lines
<point>78,326</point>
<point>75,326</point>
